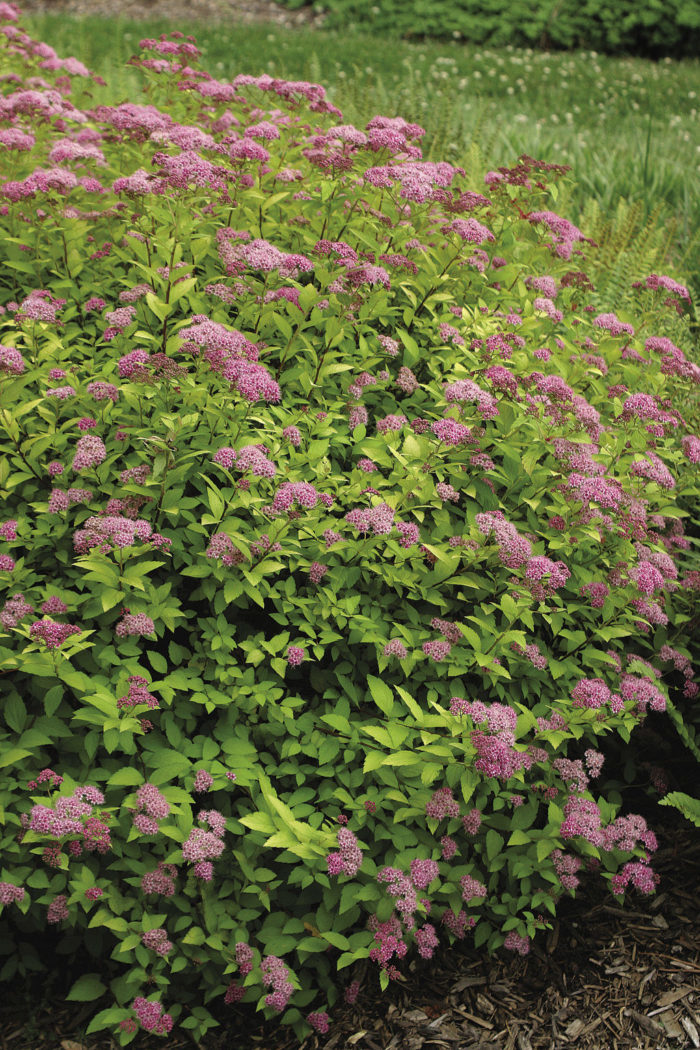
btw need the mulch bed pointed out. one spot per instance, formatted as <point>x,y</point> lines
<point>606,977</point>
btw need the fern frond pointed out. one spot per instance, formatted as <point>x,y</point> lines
<point>685,804</point>
<point>686,732</point>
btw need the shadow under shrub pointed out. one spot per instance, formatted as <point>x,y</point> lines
<point>338,531</point>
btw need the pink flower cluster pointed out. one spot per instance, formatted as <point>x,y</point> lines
<point>57,910</point>
<point>395,647</point>
<point>543,576</point>
<point>637,873</point>
<point>458,924</point>
<point>472,888</point>
<point>318,1021</point>
<point>151,1017</point>
<point>10,894</point>
<point>423,872</point>
<point>611,324</point>
<point>301,493</point>
<point>465,390</point>
<point>295,655</point>
<point>566,865</point>
<point>160,881</point>
<point>515,943</point>
<point>202,846</point>
<point>51,633</point>
<point>202,781</point>
<point>597,593</point>
<point>348,859</point>
<point>442,804</point>
<point>157,941</point>
<point>380,519</point>
<point>152,807</point>
<point>594,693</point>
<point>389,941</point>
<point>136,625</point>
<point>513,550</point>
<point>497,755</point>
<point>437,650</point>
<point>14,610</point>
<point>112,530</point>
<point>276,975</point>
<point>564,233</point>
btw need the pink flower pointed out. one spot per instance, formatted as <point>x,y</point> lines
<point>11,361</point>
<point>611,324</point>
<point>157,941</point>
<point>52,634</point>
<point>10,893</point>
<point>469,230</point>
<point>471,888</point>
<point>319,1022</point>
<point>423,872</point>
<point>295,655</point>
<point>437,651</point>
<point>90,452</point>
<point>57,910</point>
<point>442,804</point>
<point>447,492</point>
<point>151,1016</point>
<point>293,435</point>
<point>515,943</point>
<point>135,625</point>
<point>317,572</point>
<point>691,448</point>
<point>202,781</point>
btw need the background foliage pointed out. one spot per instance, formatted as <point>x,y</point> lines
<point>634,27</point>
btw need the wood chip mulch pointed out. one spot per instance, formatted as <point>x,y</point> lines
<point>606,977</point>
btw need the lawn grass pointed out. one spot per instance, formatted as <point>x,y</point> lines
<point>628,127</point>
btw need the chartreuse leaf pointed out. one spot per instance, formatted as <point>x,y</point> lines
<point>86,989</point>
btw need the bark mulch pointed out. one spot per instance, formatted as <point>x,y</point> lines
<point>606,977</point>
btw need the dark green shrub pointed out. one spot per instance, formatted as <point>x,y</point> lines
<point>639,27</point>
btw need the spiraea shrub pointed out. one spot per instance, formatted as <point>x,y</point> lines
<point>339,532</point>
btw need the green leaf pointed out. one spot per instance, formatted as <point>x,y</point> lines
<point>169,765</point>
<point>86,989</point>
<point>14,754</point>
<point>381,694</point>
<point>127,776</point>
<point>373,760</point>
<point>15,713</point>
<point>262,822</point>
<point>338,722</point>
<point>494,843</point>
<point>519,838</point>
<point>545,847</point>
<point>157,662</point>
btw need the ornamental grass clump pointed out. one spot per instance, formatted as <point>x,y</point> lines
<point>329,561</point>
